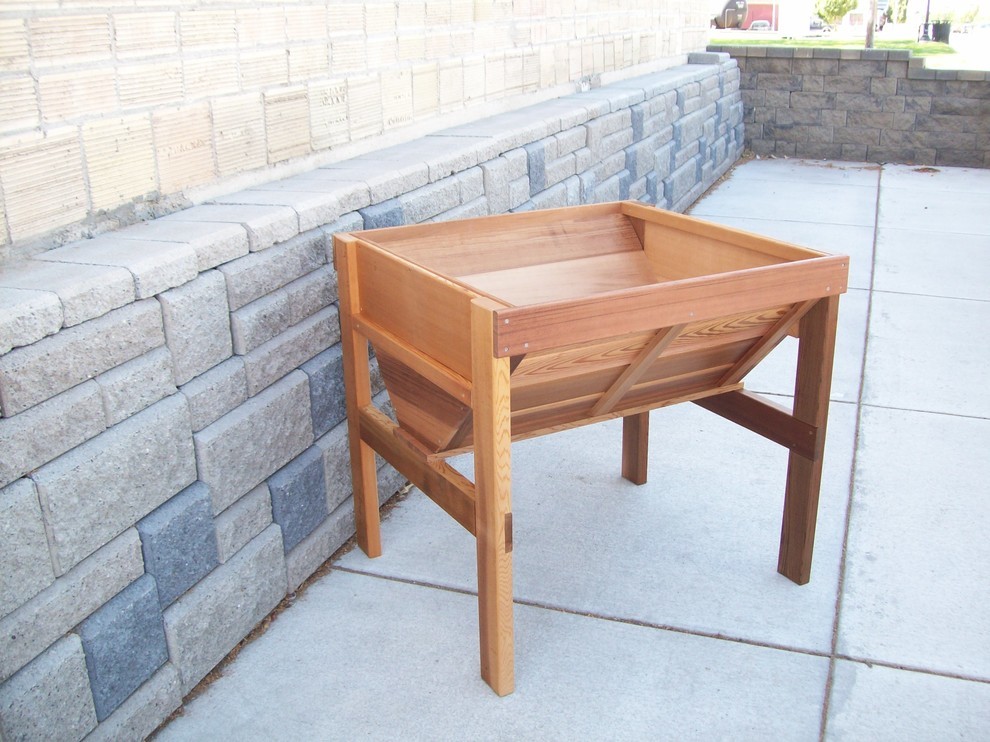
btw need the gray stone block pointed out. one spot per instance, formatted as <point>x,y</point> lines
<point>518,192</point>
<point>707,57</point>
<point>259,321</point>
<point>313,208</point>
<point>37,624</point>
<point>85,291</point>
<point>472,183</point>
<point>612,143</point>
<point>862,67</point>
<point>50,699</point>
<point>388,182</point>
<point>243,520</point>
<point>136,465</point>
<point>614,188</point>
<point>27,567</point>
<point>496,177</point>
<point>136,385</point>
<point>144,710</point>
<point>213,242</point>
<point>446,154</point>
<point>681,181</point>
<point>551,198</point>
<point>326,389</point>
<point>246,446</point>
<point>209,620</point>
<point>610,166</point>
<point>572,187</point>
<point>179,542</point>
<point>289,350</point>
<point>638,114</point>
<point>426,202</point>
<point>686,154</point>
<point>637,190</point>
<point>651,187</point>
<point>350,194</point>
<point>536,166</point>
<point>47,430</point>
<point>265,225</point>
<point>588,182</point>
<point>509,130</point>
<point>583,160</point>
<point>26,316</point>
<point>689,128</point>
<point>570,140</point>
<point>386,214</point>
<point>124,642</point>
<point>253,276</point>
<point>215,393</point>
<point>156,266</point>
<point>197,325</point>
<point>559,170</point>
<point>38,372</point>
<point>640,157</point>
<point>336,466</point>
<point>299,502</point>
<point>264,318</point>
<point>319,546</point>
<point>311,293</point>
<point>348,223</point>
<point>477,207</point>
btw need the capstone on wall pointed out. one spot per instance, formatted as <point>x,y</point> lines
<point>115,110</point>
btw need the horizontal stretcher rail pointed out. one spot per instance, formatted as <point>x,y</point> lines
<point>765,418</point>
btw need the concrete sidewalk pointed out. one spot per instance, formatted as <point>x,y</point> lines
<point>656,612</point>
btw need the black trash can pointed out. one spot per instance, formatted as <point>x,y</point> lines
<point>941,31</point>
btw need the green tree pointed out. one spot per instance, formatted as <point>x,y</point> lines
<point>897,11</point>
<point>970,15</point>
<point>832,11</point>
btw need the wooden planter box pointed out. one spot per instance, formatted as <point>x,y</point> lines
<point>493,329</point>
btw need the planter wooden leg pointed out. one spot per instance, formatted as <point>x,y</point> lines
<point>804,474</point>
<point>357,384</point>
<point>635,446</point>
<point>493,473</point>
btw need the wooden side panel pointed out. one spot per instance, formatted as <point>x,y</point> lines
<point>511,241</point>
<point>610,353</point>
<point>566,279</point>
<point>562,323</point>
<point>691,226</point>
<point>573,412</point>
<point>678,254</point>
<point>421,309</point>
<point>423,409</point>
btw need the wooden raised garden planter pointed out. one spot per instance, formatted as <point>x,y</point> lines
<point>493,329</point>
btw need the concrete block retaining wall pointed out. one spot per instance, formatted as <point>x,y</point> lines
<point>173,451</point>
<point>866,105</point>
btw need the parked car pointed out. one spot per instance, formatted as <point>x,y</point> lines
<point>759,26</point>
<point>732,14</point>
<point>817,24</point>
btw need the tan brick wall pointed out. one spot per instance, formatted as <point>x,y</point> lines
<point>109,108</point>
